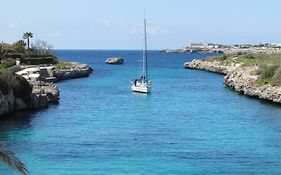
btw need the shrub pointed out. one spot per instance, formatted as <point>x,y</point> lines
<point>266,73</point>
<point>249,56</point>
<point>13,55</point>
<point>216,58</point>
<point>277,78</point>
<point>38,56</point>
<point>8,62</point>
<point>9,50</point>
<point>40,60</point>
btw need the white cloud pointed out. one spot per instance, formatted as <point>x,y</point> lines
<point>133,28</point>
<point>151,30</point>
<point>157,30</point>
<point>106,24</point>
<point>13,25</point>
<point>53,34</point>
<point>136,29</point>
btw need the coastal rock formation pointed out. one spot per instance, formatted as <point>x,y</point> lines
<point>240,79</point>
<point>7,102</point>
<point>214,66</point>
<point>42,94</point>
<point>115,60</point>
<point>77,70</point>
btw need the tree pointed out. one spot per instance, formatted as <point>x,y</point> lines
<point>10,159</point>
<point>27,36</point>
<point>40,47</point>
<point>19,46</point>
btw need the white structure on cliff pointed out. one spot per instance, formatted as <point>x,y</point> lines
<point>30,73</point>
<point>38,73</point>
<point>198,45</point>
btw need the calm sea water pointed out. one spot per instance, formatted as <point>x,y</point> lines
<point>189,124</point>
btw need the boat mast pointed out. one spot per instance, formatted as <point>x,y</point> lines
<point>145,49</point>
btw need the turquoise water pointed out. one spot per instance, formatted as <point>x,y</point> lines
<point>189,124</point>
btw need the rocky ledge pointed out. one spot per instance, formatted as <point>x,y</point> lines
<point>43,94</point>
<point>76,70</point>
<point>240,79</point>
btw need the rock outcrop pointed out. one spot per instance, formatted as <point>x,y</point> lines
<point>41,96</point>
<point>240,79</point>
<point>115,60</point>
<point>214,66</point>
<point>7,102</point>
<point>77,70</point>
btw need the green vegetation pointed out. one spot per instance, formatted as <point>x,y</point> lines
<point>269,70</point>
<point>40,60</point>
<point>40,52</point>
<point>63,64</point>
<point>10,159</point>
<point>27,36</point>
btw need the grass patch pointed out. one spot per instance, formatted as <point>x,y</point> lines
<point>264,81</point>
<point>63,64</point>
<point>269,71</point>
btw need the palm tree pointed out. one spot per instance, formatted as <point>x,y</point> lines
<point>10,159</point>
<point>27,36</point>
<point>19,46</point>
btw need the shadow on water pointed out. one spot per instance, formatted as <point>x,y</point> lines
<point>261,101</point>
<point>136,94</point>
<point>16,121</point>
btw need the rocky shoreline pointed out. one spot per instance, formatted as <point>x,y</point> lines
<point>238,78</point>
<point>76,71</point>
<point>43,93</point>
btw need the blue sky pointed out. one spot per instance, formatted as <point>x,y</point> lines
<point>117,24</point>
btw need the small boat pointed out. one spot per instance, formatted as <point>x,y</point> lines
<point>143,84</point>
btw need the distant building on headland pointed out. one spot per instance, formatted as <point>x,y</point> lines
<point>205,47</point>
<point>198,45</point>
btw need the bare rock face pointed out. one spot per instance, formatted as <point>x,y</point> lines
<point>240,79</point>
<point>214,66</point>
<point>115,60</point>
<point>20,104</point>
<point>7,102</point>
<point>44,93</point>
<point>243,80</point>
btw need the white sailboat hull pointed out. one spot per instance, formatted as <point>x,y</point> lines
<point>141,88</point>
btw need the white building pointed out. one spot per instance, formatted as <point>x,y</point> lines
<point>199,45</point>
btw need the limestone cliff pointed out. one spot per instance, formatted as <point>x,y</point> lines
<point>240,79</point>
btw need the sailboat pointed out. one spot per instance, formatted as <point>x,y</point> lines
<point>143,84</point>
